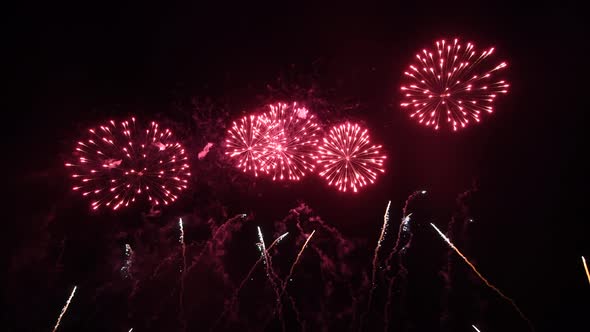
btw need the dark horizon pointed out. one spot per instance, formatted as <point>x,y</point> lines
<point>196,68</point>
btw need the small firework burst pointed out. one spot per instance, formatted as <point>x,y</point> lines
<point>122,161</point>
<point>347,158</point>
<point>453,84</point>
<point>246,142</point>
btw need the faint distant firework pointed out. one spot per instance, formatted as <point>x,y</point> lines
<point>119,162</point>
<point>347,160</point>
<point>291,139</point>
<point>453,84</point>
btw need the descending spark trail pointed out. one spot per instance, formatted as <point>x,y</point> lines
<point>126,268</point>
<point>65,308</point>
<point>182,275</point>
<point>494,288</point>
<point>475,328</point>
<point>131,330</point>
<point>234,297</point>
<point>376,257</point>
<point>586,268</point>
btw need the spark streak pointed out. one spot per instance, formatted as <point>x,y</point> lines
<point>182,274</point>
<point>494,288</point>
<point>586,268</point>
<point>475,328</point>
<point>65,308</point>
<point>376,256</point>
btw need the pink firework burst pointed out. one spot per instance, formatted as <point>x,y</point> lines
<point>453,84</point>
<point>291,139</point>
<point>281,142</point>
<point>347,158</point>
<point>246,142</point>
<point>121,162</point>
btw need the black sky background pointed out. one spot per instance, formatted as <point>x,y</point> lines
<point>84,63</point>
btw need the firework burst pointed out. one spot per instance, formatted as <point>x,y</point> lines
<point>453,84</point>
<point>347,158</point>
<point>291,140</point>
<point>246,143</point>
<point>122,161</point>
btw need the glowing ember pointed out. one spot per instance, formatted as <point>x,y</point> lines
<point>121,162</point>
<point>453,84</point>
<point>347,158</point>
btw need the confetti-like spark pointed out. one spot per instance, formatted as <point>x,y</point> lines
<point>453,84</point>
<point>122,161</point>
<point>586,268</point>
<point>376,257</point>
<point>182,275</point>
<point>291,137</point>
<point>347,159</point>
<point>475,328</point>
<point>229,305</point>
<point>65,308</point>
<point>494,288</point>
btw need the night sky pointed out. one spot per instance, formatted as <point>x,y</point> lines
<point>514,184</point>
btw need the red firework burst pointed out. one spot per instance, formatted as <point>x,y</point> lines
<point>452,84</point>
<point>348,159</point>
<point>281,142</point>
<point>246,142</point>
<point>291,140</point>
<point>120,162</point>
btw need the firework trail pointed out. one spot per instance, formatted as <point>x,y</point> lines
<point>182,275</point>
<point>230,304</point>
<point>375,260</point>
<point>494,288</point>
<point>475,328</point>
<point>131,330</point>
<point>451,84</point>
<point>404,229</point>
<point>586,268</point>
<point>289,276</point>
<point>126,268</point>
<point>271,275</point>
<point>65,308</point>
<point>208,245</point>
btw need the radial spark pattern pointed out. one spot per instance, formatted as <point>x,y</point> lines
<point>347,158</point>
<point>281,143</point>
<point>453,84</point>
<point>120,162</point>
<point>291,139</point>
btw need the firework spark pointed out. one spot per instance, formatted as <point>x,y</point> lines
<point>291,139</point>
<point>182,275</point>
<point>126,268</point>
<point>376,256</point>
<point>475,328</point>
<point>270,274</point>
<point>453,84</point>
<point>348,158</point>
<point>586,268</point>
<point>121,161</point>
<point>494,288</point>
<point>65,308</point>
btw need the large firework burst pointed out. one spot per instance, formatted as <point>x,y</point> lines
<point>348,159</point>
<point>120,162</point>
<point>281,142</point>
<point>453,84</point>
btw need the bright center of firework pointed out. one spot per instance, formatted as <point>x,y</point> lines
<point>452,84</point>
